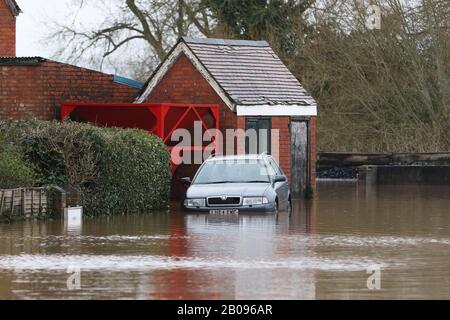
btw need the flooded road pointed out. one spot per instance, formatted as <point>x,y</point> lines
<point>327,249</point>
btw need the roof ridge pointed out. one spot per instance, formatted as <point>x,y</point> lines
<point>17,61</point>
<point>23,58</point>
<point>226,42</point>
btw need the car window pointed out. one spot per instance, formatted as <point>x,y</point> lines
<point>275,167</point>
<point>272,171</point>
<point>232,171</point>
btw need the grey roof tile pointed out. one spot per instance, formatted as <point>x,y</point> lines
<point>249,72</point>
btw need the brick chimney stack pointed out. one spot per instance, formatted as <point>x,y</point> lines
<point>9,10</point>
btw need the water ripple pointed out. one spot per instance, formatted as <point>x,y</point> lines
<point>26,262</point>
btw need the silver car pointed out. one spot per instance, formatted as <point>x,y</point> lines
<point>237,184</point>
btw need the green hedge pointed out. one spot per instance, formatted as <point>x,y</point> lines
<point>116,171</point>
<point>15,172</point>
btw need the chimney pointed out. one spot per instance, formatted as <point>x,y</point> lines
<point>9,10</point>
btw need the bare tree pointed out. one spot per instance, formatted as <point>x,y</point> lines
<point>379,90</point>
<point>154,25</point>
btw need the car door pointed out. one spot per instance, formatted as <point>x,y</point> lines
<point>281,188</point>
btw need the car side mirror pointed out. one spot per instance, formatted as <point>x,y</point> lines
<point>186,181</point>
<point>280,179</point>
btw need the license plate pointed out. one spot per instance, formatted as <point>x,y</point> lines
<point>224,212</point>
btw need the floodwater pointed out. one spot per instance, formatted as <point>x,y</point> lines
<point>399,236</point>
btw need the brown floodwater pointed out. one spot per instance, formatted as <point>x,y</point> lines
<point>324,250</point>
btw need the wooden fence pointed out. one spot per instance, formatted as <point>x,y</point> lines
<point>24,203</point>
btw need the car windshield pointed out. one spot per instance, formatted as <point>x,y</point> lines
<point>233,171</point>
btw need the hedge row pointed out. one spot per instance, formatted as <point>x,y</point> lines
<point>15,171</point>
<point>116,171</point>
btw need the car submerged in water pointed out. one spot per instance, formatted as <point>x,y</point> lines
<point>238,184</point>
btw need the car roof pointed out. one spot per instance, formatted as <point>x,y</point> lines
<point>239,157</point>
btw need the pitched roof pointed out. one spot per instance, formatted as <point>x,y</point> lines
<point>250,72</point>
<point>244,73</point>
<point>15,9</point>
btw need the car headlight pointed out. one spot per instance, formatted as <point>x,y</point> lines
<point>255,201</point>
<point>195,202</point>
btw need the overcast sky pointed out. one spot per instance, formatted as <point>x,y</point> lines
<point>33,25</point>
<point>37,22</point>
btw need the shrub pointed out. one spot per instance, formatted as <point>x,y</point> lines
<point>116,171</point>
<point>134,172</point>
<point>14,171</point>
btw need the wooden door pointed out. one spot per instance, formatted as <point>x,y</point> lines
<point>299,158</point>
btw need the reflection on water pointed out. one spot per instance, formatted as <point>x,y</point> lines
<point>321,251</point>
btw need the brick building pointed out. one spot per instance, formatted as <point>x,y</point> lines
<point>9,10</point>
<point>246,79</point>
<point>34,87</point>
<point>253,88</point>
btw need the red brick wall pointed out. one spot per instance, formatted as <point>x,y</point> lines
<point>282,125</point>
<point>7,31</point>
<point>37,91</point>
<point>184,84</point>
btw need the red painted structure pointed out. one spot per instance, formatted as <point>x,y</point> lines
<point>159,119</point>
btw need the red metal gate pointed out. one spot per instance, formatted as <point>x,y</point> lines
<point>159,119</point>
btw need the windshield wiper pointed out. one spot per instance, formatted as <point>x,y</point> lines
<point>224,182</point>
<point>221,182</point>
